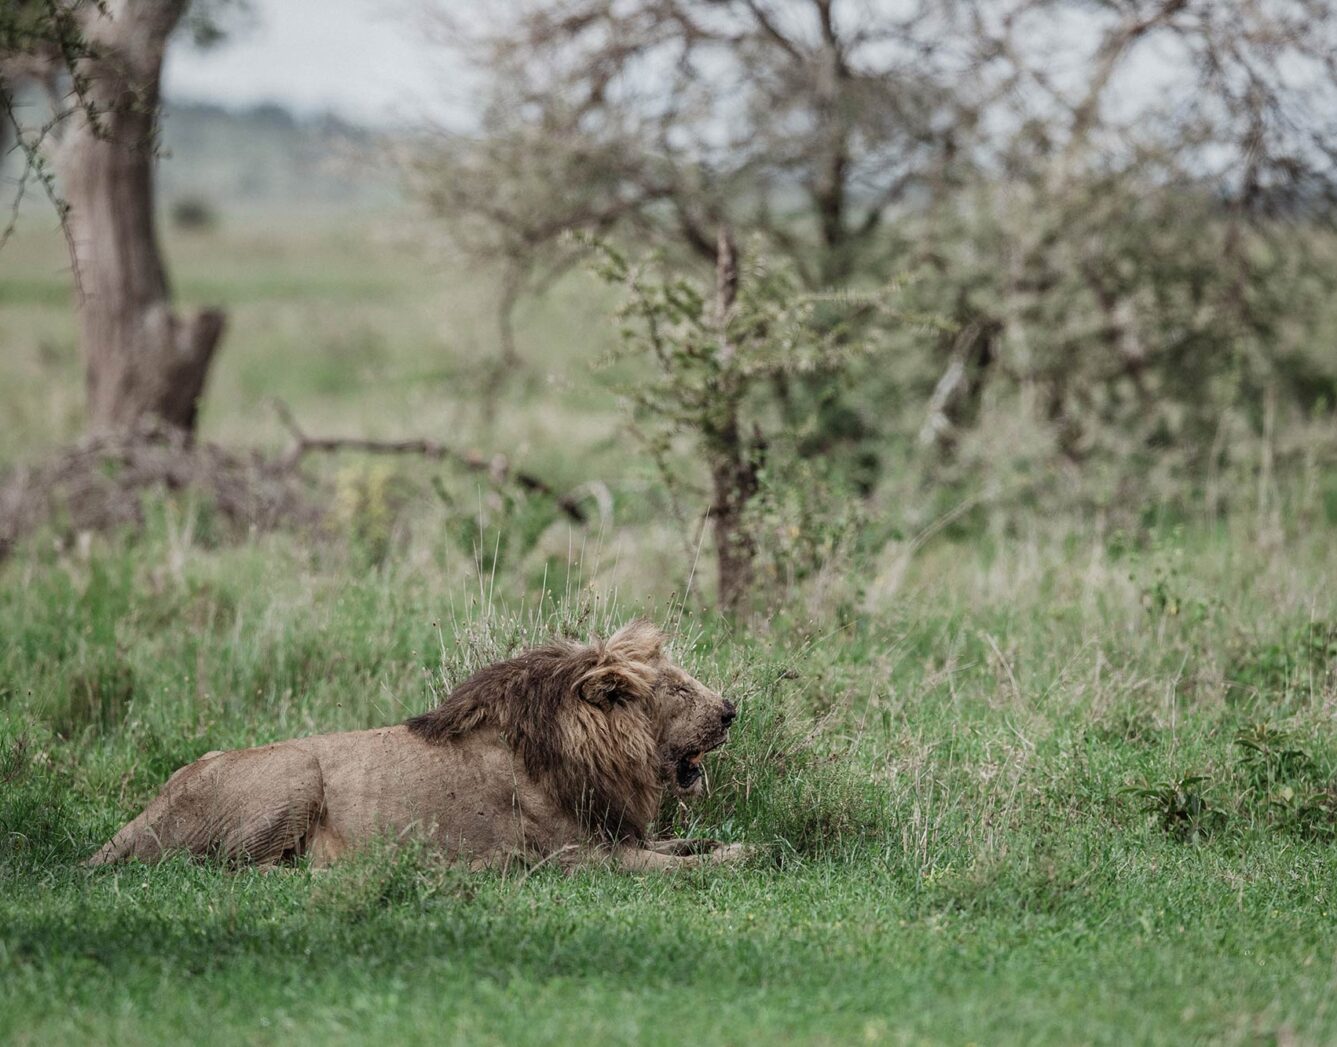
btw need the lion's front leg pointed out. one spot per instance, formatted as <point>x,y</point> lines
<point>680,848</point>
<point>654,858</point>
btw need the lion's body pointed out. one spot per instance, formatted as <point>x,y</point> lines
<point>564,750</point>
<point>328,794</point>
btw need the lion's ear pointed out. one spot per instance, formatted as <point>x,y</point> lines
<point>627,667</point>
<point>638,641</point>
<point>610,685</point>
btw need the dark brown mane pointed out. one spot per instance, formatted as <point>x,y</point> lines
<point>582,718</point>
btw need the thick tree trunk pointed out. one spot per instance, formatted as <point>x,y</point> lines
<point>144,362</point>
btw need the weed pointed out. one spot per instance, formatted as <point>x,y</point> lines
<point>1268,759</point>
<point>1181,806</point>
<point>1297,663</point>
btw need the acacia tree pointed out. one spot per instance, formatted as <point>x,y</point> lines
<point>1128,252</point>
<point>1109,253</point>
<point>805,121</point>
<point>101,62</point>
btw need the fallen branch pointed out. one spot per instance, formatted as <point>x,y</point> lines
<point>498,466</point>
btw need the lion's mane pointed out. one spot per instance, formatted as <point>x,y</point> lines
<point>583,719</point>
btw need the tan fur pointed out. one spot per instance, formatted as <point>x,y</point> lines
<point>561,752</point>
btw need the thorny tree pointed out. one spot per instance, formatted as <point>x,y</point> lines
<point>1129,254</point>
<point>805,121</point>
<point>1089,188</point>
<point>716,358</point>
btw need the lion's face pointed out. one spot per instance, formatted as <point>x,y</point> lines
<point>693,720</point>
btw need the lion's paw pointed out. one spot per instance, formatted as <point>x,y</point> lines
<point>730,852</point>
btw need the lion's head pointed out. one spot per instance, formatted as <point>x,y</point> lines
<point>693,721</point>
<point>606,726</point>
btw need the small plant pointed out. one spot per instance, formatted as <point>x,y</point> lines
<point>1181,806</point>
<point>1310,814</point>
<point>1160,597</point>
<point>368,500</point>
<point>497,530</point>
<point>15,758</point>
<point>1268,759</point>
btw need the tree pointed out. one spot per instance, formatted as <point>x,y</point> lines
<point>1130,254</point>
<point>715,361</point>
<point>102,63</point>
<point>805,121</point>
<point>1110,201</point>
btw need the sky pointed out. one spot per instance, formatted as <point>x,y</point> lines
<point>371,61</point>
<point>366,60</point>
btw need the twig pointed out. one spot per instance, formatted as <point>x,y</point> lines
<point>498,467</point>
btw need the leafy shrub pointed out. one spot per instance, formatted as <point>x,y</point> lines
<point>726,368</point>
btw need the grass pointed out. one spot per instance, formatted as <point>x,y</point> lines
<point>1038,782</point>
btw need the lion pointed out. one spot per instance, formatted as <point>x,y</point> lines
<point>563,753</point>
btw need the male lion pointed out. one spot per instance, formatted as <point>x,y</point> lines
<point>563,751</point>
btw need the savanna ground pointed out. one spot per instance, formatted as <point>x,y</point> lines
<point>1033,778</point>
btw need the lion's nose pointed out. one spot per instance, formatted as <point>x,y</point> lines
<point>729,715</point>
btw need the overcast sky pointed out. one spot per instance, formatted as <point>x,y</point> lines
<point>364,59</point>
<point>369,60</point>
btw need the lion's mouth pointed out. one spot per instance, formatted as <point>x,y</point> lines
<point>689,771</point>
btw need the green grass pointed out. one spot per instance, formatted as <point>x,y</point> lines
<point>952,856</point>
<point>1027,782</point>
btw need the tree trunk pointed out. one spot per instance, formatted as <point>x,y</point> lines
<point>955,402</point>
<point>733,471</point>
<point>734,482</point>
<point>144,362</point>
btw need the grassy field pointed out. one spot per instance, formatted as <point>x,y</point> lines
<point>1037,779</point>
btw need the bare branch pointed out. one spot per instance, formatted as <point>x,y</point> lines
<point>498,467</point>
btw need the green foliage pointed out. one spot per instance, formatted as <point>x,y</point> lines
<point>1181,807</point>
<point>722,375</point>
<point>1143,332</point>
<point>805,521</point>
<point>498,531</point>
<point>368,499</point>
<point>1268,759</point>
<point>709,364</point>
<point>1275,788</point>
<point>1281,669</point>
